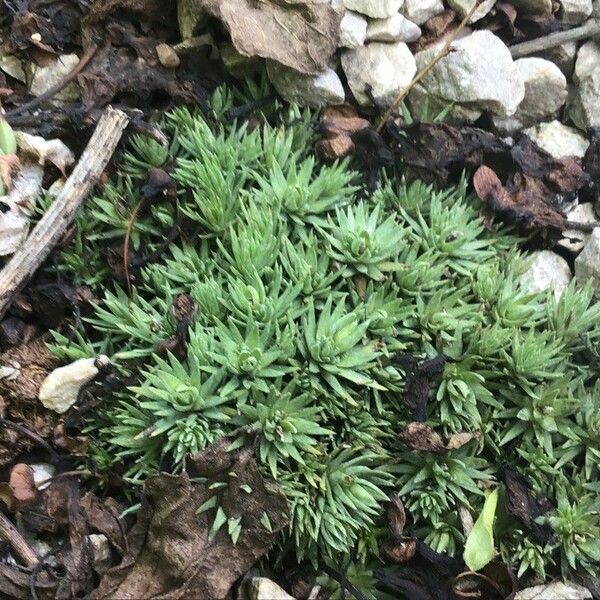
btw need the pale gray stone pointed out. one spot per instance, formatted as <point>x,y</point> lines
<point>587,264</point>
<point>573,239</point>
<point>546,271</point>
<point>558,139</point>
<point>419,11</point>
<point>462,8</point>
<point>42,474</point>
<point>262,588</point>
<point>563,57</point>
<point>60,390</point>
<point>545,93</point>
<point>584,103</point>
<point>48,76</point>
<point>353,30</point>
<point>308,90</point>
<point>554,591</point>
<point>469,74</point>
<point>101,552</point>
<point>386,68</point>
<point>395,29</point>
<point>588,60</point>
<point>378,9</point>
<point>12,66</point>
<point>426,106</point>
<point>574,12</point>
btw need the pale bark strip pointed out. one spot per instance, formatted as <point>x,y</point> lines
<point>587,30</point>
<point>61,213</point>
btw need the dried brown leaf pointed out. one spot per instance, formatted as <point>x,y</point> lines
<point>171,534</point>
<point>301,34</point>
<point>23,487</point>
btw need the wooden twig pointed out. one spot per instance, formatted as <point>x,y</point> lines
<point>9,533</point>
<point>587,30</point>
<point>443,50</point>
<point>59,216</point>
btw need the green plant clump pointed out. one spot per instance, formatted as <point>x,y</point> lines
<point>305,291</point>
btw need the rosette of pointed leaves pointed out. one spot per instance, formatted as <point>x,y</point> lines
<point>253,241</point>
<point>252,299</point>
<point>332,344</point>
<point>308,267</point>
<point>287,424</point>
<point>576,523</point>
<point>306,193</point>
<point>364,241</point>
<point>252,356</point>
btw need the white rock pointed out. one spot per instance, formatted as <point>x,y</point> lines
<point>545,88</point>
<point>353,30</point>
<point>563,57</point>
<point>60,389</point>
<point>462,7</point>
<point>588,60</point>
<point>262,588</point>
<point>545,93</point>
<point>574,12</point>
<point>419,11</point>
<point>469,74</point>
<point>584,104</point>
<point>46,77</point>
<point>101,552</point>
<point>587,264</point>
<point>395,29</point>
<point>12,66</point>
<point>574,239</point>
<point>534,7</point>
<point>42,474</point>
<point>558,139</point>
<point>554,591</point>
<point>21,200</point>
<point>419,100</point>
<point>311,90</point>
<point>378,9</point>
<point>547,271</point>
<point>386,68</point>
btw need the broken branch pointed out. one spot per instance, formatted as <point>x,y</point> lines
<point>10,534</point>
<point>61,213</point>
<point>587,30</point>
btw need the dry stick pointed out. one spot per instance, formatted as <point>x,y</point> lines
<point>10,534</point>
<point>589,29</point>
<point>59,216</point>
<point>444,49</point>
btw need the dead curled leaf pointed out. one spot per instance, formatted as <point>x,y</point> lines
<point>337,124</point>
<point>170,534</point>
<point>422,438</point>
<point>522,183</point>
<point>301,34</point>
<point>420,376</point>
<point>524,506</point>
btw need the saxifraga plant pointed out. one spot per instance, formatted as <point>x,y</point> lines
<point>305,295</point>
